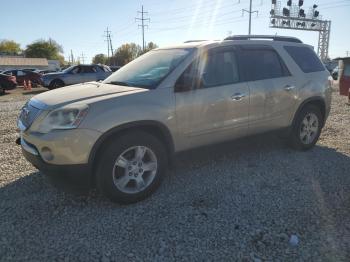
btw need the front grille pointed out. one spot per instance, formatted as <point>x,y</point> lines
<point>28,114</point>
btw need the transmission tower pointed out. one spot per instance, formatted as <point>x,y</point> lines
<point>143,25</point>
<point>293,16</point>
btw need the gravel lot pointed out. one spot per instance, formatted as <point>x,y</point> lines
<point>249,200</point>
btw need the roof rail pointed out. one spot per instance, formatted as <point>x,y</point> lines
<point>194,41</point>
<point>272,37</point>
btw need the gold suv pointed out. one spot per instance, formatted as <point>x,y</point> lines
<point>122,133</point>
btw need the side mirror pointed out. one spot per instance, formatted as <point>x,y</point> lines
<point>183,84</point>
<point>187,83</point>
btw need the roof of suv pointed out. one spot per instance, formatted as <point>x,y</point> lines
<point>265,39</point>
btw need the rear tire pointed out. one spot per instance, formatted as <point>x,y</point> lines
<point>131,167</point>
<point>307,128</point>
<point>56,84</point>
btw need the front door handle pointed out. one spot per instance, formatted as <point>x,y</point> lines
<point>289,88</point>
<point>237,96</point>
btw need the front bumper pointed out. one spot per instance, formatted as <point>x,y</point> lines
<point>62,147</point>
<point>80,173</point>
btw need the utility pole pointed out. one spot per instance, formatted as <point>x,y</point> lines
<point>250,12</point>
<point>71,56</point>
<point>108,36</point>
<point>143,25</point>
<point>347,53</point>
<point>82,57</point>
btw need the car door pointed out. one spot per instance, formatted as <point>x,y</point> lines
<point>272,88</point>
<point>73,76</point>
<point>88,73</point>
<point>216,106</point>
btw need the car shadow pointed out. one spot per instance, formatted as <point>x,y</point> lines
<point>34,92</point>
<point>247,151</point>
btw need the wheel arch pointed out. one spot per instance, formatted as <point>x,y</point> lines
<point>317,101</point>
<point>57,79</point>
<point>155,128</point>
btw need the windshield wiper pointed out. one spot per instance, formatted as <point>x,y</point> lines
<point>119,83</point>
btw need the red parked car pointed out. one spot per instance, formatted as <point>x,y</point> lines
<point>7,82</point>
<point>344,77</point>
<point>25,75</point>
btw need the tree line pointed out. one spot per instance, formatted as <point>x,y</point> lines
<point>124,54</point>
<point>51,50</point>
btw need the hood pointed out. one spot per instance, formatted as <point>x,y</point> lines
<point>79,93</point>
<point>53,74</point>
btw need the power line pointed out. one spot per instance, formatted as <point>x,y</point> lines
<point>108,36</point>
<point>143,25</point>
<point>250,12</point>
<point>82,57</point>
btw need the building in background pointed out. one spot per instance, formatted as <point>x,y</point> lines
<point>11,62</point>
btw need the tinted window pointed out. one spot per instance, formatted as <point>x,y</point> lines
<point>88,69</point>
<point>305,58</point>
<point>220,69</point>
<point>76,70</point>
<point>258,64</point>
<point>21,73</point>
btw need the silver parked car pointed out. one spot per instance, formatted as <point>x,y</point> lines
<point>122,133</point>
<point>75,75</point>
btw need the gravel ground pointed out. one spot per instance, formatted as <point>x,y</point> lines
<point>249,200</point>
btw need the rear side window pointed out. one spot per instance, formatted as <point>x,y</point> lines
<point>259,64</point>
<point>305,58</point>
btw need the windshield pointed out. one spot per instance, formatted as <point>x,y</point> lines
<point>67,69</point>
<point>148,70</point>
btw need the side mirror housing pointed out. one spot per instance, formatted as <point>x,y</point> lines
<point>187,83</point>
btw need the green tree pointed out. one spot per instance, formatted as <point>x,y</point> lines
<point>10,47</point>
<point>99,59</point>
<point>149,47</point>
<point>44,49</point>
<point>125,53</point>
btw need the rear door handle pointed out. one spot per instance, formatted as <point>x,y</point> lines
<point>289,88</point>
<point>237,96</point>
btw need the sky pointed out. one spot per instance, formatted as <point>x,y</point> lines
<point>79,25</point>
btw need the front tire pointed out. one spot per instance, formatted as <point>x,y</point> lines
<point>306,128</point>
<point>131,167</point>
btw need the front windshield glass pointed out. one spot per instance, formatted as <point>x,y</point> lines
<point>67,69</point>
<point>148,70</point>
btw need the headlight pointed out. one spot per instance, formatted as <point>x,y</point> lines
<point>68,117</point>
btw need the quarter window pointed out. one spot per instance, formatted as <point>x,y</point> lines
<point>305,58</point>
<point>259,64</point>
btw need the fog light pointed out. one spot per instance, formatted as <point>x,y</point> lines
<point>46,154</point>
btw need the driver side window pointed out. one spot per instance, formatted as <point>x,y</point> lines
<point>220,69</point>
<point>76,70</point>
<point>215,68</point>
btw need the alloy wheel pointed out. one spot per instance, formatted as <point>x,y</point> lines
<point>309,128</point>
<point>135,169</point>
